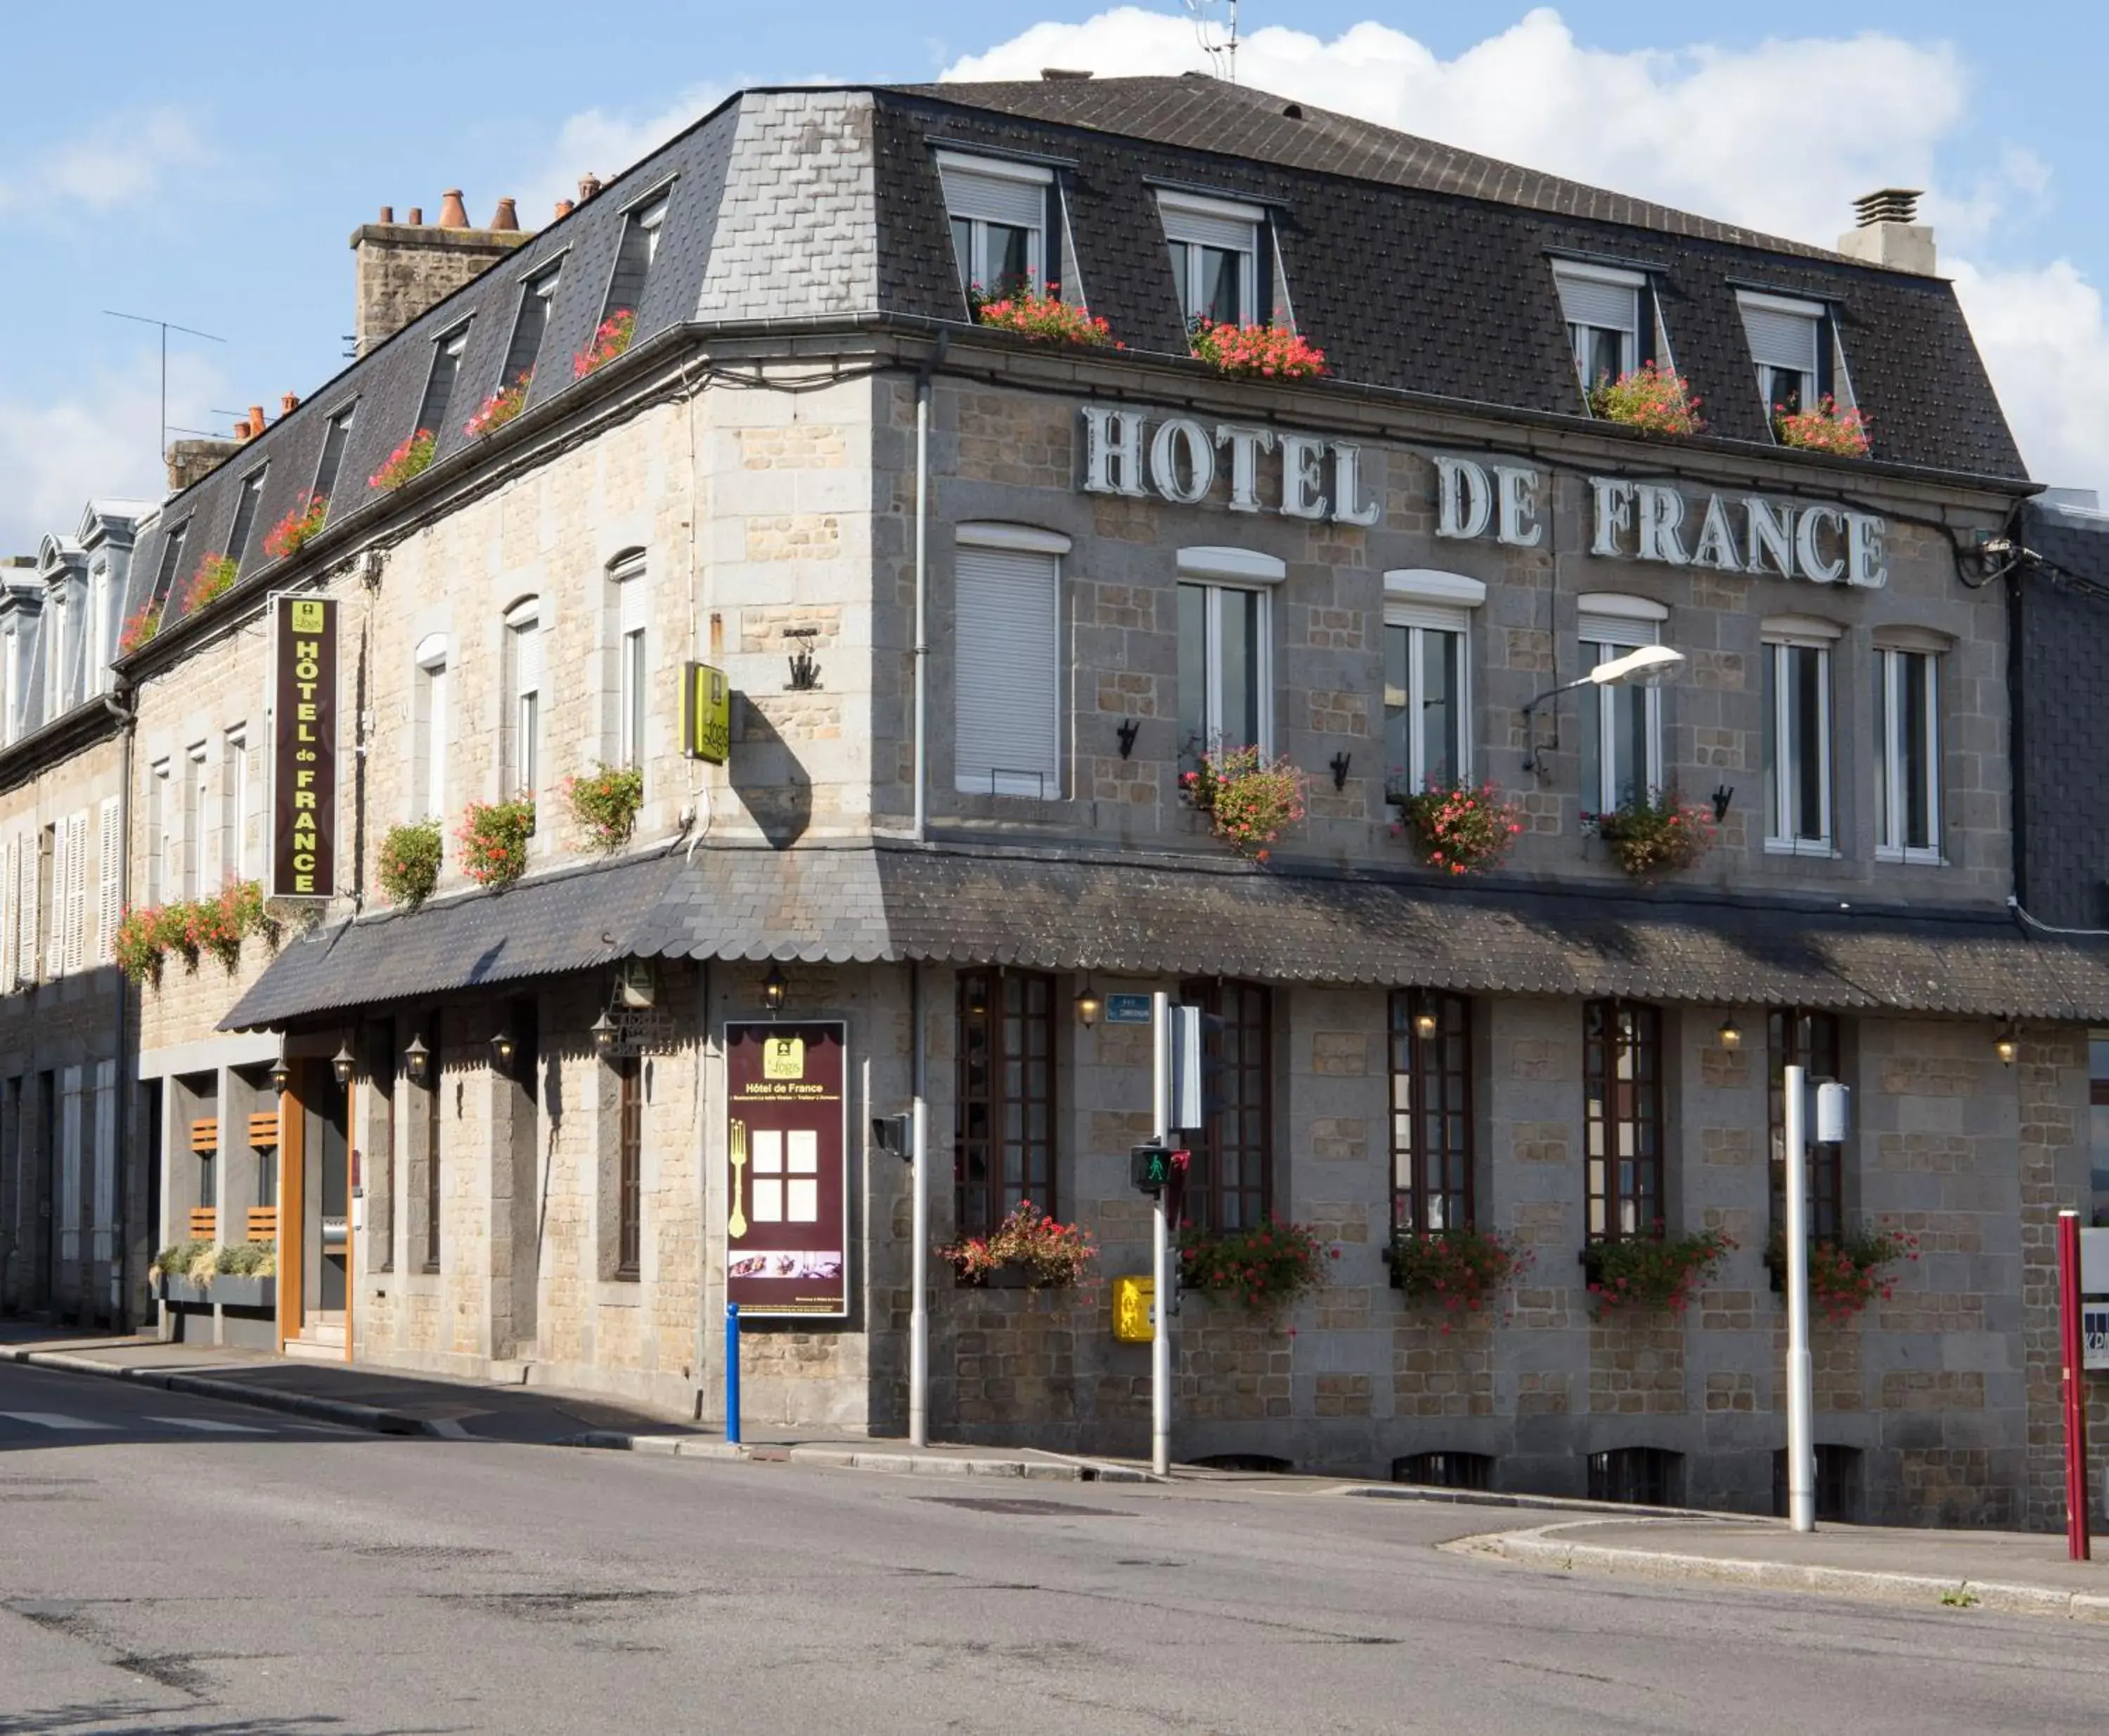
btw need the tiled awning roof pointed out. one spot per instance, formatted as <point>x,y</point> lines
<point>1204,916</point>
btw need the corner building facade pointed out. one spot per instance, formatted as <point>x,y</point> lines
<point>980,604</point>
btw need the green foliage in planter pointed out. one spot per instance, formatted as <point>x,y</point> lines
<point>1048,1253</point>
<point>136,945</point>
<point>1250,801</point>
<point>1460,828</point>
<point>1658,833</point>
<point>604,804</point>
<point>494,838</point>
<point>1460,1269</point>
<point>1846,1274</point>
<point>176,1260</point>
<point>1646,1274</point>
<point>250,1259</point>
<point>191,928</point>
<point>409,867</point>
<point>1656,400</point>
<point>1267,1267</point>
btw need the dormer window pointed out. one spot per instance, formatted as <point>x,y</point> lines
<point>1792,343</point>
<point>440,383</point>
<point>1215,257</point>
<point>536,295</point>
<point>999,217</point>
<point>633,259</point>
<point>336,436</point>
<point>1604,311</point>
<point>245,516</point>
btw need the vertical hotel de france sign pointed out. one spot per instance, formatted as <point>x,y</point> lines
<point>304,645</point>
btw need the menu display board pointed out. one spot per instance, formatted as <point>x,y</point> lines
<point>787,1191</point>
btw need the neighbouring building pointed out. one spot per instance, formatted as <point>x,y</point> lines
<point>983,604</point>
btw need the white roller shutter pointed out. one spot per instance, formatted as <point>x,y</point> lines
<point>1780,339</point>
<point>1207,226</point>
<point>1006,644</point>
<point>993,196</point>
<point>110,901</point>
<point>1590,301</point>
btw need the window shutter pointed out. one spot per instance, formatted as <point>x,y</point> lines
<point>995,198</point>
<point>76,928</point>
<point>55,923</point>
<point>105,1157</point>
<point>1209,229</point>
<point>1005,690</point>
<point>1826,348</point>
<point>527,659</point>
<point>11,917</point>
<point>109,903</point>
<point>70,1164</point>
<point>1616,629</point>
<point>633,605</point>
<point>1589,301</point>
<point>26,934</point>
<point>1779,339</point>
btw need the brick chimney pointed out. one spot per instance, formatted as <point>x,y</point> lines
<point>1887,232</point>
<point>193,460</point>
<point>401,270</point>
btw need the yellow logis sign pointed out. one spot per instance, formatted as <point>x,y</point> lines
<point>706,713</point>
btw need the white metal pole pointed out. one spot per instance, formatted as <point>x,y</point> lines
<point>1160,1242</point>
<point>1800,1380</point>
<point>919,1305</point>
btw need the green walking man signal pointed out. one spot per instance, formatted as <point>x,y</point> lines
<point>1153,1168</point>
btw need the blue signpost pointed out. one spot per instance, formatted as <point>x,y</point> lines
<point>732,1374</point>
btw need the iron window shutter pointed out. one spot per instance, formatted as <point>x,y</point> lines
<point>1781,339</point>
<point>1005,684</point>
<point>995,198</point>
<point>1588,301</point>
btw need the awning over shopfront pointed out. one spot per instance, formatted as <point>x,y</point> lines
<point>1165,916</point>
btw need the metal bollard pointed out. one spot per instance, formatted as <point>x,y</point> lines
<point>732,1374</point>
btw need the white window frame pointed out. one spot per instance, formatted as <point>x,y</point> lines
<point>1780,635</point>
<point>99,636</point>
<point>1423,601</point>
<point>1890,819</point>
<point>1193,221</point>
<point>630,612</point>
<point>57,612</point>
<point>234,804</point>
<point>1566,271</point>
<point>1241,572</point>
<point>1032,782</point>
<point>159,777</point>
<point>979,207</point>
<point>429,742</point>
<point>523,697</point>
<point>196,769</point>
<point>1815,312</point>
<point>11,720</point>
<point>1610,624</point>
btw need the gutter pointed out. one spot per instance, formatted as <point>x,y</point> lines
<point>120,1245</point>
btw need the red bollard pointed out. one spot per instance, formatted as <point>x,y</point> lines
<point>2072,1356</point>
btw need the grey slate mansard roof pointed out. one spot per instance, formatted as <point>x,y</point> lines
<point>1414,267</point>
<point>1166,916</point>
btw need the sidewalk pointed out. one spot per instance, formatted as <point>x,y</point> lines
<point>2013,1572</point>
<point>383,1401</point>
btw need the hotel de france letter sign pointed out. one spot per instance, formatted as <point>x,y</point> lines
<point>1179,458</point>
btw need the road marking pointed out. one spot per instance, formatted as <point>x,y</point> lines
<point>207,1425</point>
<point>52,1419</point>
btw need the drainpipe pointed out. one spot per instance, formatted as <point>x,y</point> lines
<point>918,1305</point>
<point>120,1238</point>
<point>934,361</point>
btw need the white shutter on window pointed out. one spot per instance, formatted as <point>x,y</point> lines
<point>105,1157</point>
<point>633,605</point>
<point>994,196</point>
<point>1779,339</point>
<point>55,924</point>
<point>1590,301</point>
<point>1616,629</point>
<point>76,906</point>
<point>1006,692</point>
<point>109,906</point>
<point>1184,223</point>
<point>27,937</point>
<point>527,658</point>
<point>70,1164</point>
<point>11,924</point>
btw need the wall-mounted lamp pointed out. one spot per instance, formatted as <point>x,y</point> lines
<point>342,1063</point>
<point>418,1061</point>
<point>1730,1033</point>
<point>1646,666</point>
<point>604,1032</point>
<point>804,672</point>
<point>2007,1045</point>
<point>1089,1005</point>
<point>774,989</point>
<point>1127,732</point>
<point>1723,794</point>
<point>1341,762</point>
<point>281,1075</point>
<point>502,1050</point>
<point>1425,1024</point>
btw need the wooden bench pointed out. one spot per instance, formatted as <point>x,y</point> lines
<point>263,1131</point>
<point>205,1134</point>
<point>204,1223</point>
<point>262,1223</point>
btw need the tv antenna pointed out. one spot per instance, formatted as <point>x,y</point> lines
<point>1218,41</point>
<point>167,326</point>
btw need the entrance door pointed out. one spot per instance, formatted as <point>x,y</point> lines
<point>326,1155</point>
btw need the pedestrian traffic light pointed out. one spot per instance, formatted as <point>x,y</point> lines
<point>1152,1167</point>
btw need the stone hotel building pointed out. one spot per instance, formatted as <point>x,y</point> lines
<point>981,604</point>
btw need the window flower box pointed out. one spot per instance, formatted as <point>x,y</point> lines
<point>140,626</point>
<point>493,840</point>
<point>408,461</point>
<point>1028,1250</point>
<point>1460,828</point>
<point>1044,319</point>
<point>409,865</point>
<point>500,408</point>
<point>213,580</point>
<point>1846,1274</point>
<point>1458,1270</point>
<point>1250,801</point>
<point>182,1293</point>
<point>1825,428</point>
<point>604,805</point>
<point>1256,351</point>
<point>1656,400</point>
<point>1656,834</point>
<point>298,526</point>
<point>1653,1274</point>
<point>235,1290</point>
<point>610,338</point>
<point>1267,1268</point>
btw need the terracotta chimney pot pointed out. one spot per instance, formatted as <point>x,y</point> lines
<point>507,217</point>
<point>242,428</point>
<point>454,214</point>
<point>287,404</point>
<point>590,184</point>
<point>388,214</point>
<point>256,418</point>
<point>417,215</point>
<point>565,208</point>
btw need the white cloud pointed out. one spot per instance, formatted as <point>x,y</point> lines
<point>596,142</point>
<point>126,160</point>
<point>1724,133</point>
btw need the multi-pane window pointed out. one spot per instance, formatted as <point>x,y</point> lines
<point>157,831</point>
<point>1798,739</point>
<point>1214,248</point>
<point>1790,342</point>
<point>440,383</point>
<point>630,1166</point>
<point>435,1121</point>
<point>234,805</point>
<point>1603,312</point>
<point>633,671</point>
<point>172,555</point>
<point>61,650</point>
<point>1229,1180</point>
<point>336,437</point>
<point>245,515</point>
<point>1003,1140</point>
<point>1795,1037</point>
<point>999,218</point>
<point>193,844</point>
<point>633,257</point>
<point>428,770</point>
<point>1906,756</point>
<point>1621,1116</point>
<point>1007,684</point>
<point>1621,727</point>
<point>1225,663</point>
<point>1427,692</point>
<point>1431,1110</point>
<point>536,296</point>
<point>523,711</point>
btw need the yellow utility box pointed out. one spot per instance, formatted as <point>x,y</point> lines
<point>1135,1310</point>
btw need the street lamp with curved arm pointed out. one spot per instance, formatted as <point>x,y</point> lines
<point>1644,666</point>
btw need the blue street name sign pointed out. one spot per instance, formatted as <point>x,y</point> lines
<point>1127,1009</point>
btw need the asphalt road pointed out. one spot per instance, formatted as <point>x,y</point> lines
<point>160,1574</point>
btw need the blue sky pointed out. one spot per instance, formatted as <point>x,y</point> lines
<point>207,166</point>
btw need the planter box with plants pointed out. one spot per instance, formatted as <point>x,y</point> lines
<point>1027,1251</point>
<point>1846,1274</point>
<point>1266,1269</point>
<point>1653,1274</point>
<point>1256,352</point>
<point>1250,801</point>
<point>494,838</point>
<point>409,865</point>
<point>1656,400</point>
<point>1655,834</point>
<point>1459,1271</point>
<point>1458,829</point>
<point>1044,319</point>
<point>604,804</point>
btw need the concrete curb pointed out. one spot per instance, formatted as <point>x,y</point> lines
<point>370,1418</point>
<point>1541,1547</point>
<point>860,1458</point>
